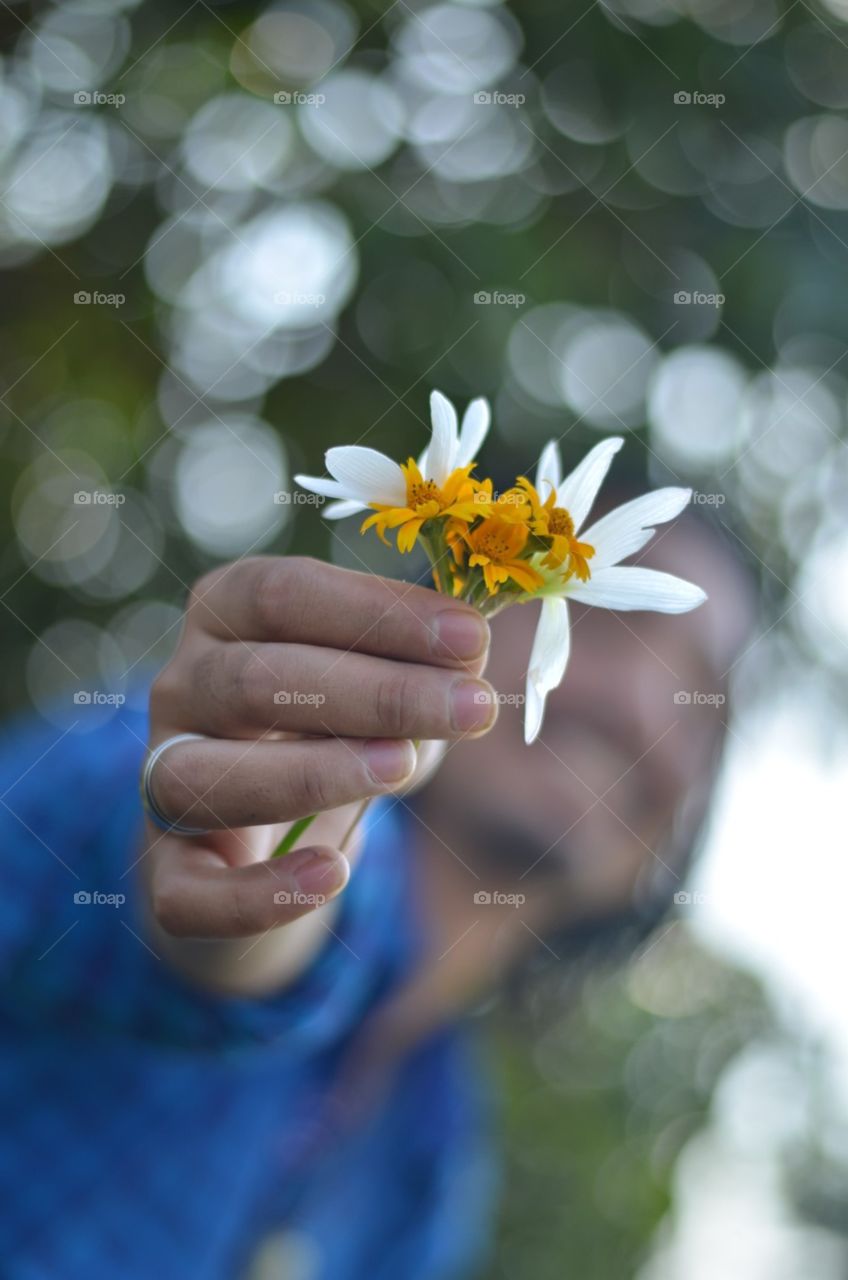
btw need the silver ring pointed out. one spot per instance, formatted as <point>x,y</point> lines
<point>152,810</point>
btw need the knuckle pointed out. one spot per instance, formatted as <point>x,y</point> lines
<point>206,674</point>
<point>311,787</point>
<point>280,587</point>
<point>398,706</point>
<point>248,678</point>
<point>213,682</point>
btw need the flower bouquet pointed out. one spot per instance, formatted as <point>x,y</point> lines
<point>527,543</point>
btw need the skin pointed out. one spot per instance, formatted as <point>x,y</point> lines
<point>312,683</point>
<point>571,823</point>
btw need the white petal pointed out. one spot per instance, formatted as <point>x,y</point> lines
<point>579,490</point>
<point>320,484</point>
<point>475,428</point>
<point>534,713</point>
<point>366,475</point>
<point>548,470</point>
<point>548,661</point>
<point>441,455</point>
<point>625,530</point>
<point>632,588</point>
<point>347,507</point>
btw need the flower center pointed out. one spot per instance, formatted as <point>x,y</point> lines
<point>498,540</point>
<point>560,523</point>
<point>421,492</point>
<point>494,545</point>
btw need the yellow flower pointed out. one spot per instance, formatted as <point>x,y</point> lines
<point>425,500</point>
<point>555,523</point>
<point>496,545</point>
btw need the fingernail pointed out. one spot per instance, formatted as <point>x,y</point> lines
<point>472,705</point>
<point>321,874</point>
<point>460,633</point>
<point>388,760</point>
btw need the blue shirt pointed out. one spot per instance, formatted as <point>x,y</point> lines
<point>150,1130</point>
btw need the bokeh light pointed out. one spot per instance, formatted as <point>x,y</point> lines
<point>235,235</point>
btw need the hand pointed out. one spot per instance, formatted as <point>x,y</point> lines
<point>311,683</point>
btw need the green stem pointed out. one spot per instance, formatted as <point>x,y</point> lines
<point>357,818</point>
<point>292,836</point>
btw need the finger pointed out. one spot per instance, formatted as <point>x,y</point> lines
<point>243,689</point>
<point>196,895</point>
<point>304,601</point>
<point>216,784</point>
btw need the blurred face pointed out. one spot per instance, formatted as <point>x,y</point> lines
<point>574,819</point>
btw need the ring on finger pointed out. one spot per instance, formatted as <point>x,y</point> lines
<point>151,808</point>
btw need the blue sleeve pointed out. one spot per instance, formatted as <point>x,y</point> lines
<point>73,945</point>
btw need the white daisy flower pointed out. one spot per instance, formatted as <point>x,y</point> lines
<point>597,578</point>
<point>363,478</point>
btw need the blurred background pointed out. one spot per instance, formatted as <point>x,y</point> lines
<point>232,235</point>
